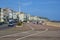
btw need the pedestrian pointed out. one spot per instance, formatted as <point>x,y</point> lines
<point>37,22</point>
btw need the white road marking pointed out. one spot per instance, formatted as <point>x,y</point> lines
<point>21,32</point>
<point>18,33</point>
<point>31,27</point>
<point>15,34</point>
<point>31,35</point>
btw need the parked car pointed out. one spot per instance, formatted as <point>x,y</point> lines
<point>1,23</point>
<point>10,23</point>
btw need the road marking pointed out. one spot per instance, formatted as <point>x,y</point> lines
<point>31,35</point>
<point>18,33</point>
<point>31,27</point>
<point>15,34</point>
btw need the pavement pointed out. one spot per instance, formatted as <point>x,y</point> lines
<point>31,31</point>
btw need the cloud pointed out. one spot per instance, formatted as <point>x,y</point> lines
<point>26,3</point>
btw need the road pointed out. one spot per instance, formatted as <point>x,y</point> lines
<point>36,32</point>
<point>4,26</point>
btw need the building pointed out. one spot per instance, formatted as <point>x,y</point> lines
<point>1,15</point>
<point>9,14</point>
<point>31,18</point>
<point>34,18</point>
<point>6,14</point>
<point>22,16</point>
<point>14,15</point>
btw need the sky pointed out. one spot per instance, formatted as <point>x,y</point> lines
<point>43,8</point>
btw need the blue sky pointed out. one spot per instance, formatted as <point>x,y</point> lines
<point>44,8</point>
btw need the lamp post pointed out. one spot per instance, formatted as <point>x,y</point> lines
<point>19,12</point>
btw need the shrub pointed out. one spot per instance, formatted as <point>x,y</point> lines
<point>20,23</point>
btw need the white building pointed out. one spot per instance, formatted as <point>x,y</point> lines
<point>22,16</point>
<point>33,18</point>
<point>10,13</point>
<point>1,15</point>
<point>28,17</point>
<point>15,15</point>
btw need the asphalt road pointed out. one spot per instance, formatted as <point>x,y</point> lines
<point>4,26</point>
<point>36,32</point>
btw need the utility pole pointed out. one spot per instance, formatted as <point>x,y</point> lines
<point>19,9</point>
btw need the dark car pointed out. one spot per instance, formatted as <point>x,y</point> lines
<point>11,23</point>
